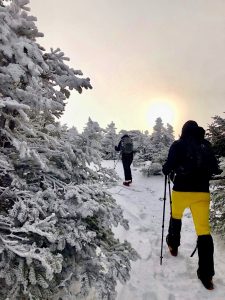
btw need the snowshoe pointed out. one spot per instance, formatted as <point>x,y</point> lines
<point>207,282</point>
<point>173,250</point>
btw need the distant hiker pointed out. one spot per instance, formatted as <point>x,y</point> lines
<point>125,146</point>
<point>192,160</point>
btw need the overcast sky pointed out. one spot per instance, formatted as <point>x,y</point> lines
<point>140,52</point>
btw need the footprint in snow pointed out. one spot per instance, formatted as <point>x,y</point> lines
<point>171,297</point>
<point>149,296</point>
<point>157,241</point>
<point>149,256</point>
<point>144,229</point>
<point>143,216</point>
<point>149,190</point>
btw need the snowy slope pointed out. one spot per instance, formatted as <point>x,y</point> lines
<point>176,279</point>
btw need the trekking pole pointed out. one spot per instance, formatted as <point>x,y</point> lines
<point>163,220</point>
<point>170,196</point>
<point>114,158</point>
<point>116,162</point>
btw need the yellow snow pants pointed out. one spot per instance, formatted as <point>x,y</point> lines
<point>198,202</point>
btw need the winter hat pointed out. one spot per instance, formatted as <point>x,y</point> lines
<point>125,135</point>
<point>190,128</point>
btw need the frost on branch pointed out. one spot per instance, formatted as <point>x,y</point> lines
<point>55,216</point>
<point>216,135</point>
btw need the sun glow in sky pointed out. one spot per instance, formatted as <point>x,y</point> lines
<point>163,109</point>
<point>146,59</point>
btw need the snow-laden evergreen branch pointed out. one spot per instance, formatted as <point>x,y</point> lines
<point>55,216</point>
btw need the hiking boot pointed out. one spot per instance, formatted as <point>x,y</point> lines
<point>205,260</point>
<point>207,282</point>
<point>127,183</point>
<point>173,250</point>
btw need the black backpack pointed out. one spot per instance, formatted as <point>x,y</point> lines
<point>199,159</point>
<point>126,145</point>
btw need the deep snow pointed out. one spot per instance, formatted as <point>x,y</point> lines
<point>176,279</point>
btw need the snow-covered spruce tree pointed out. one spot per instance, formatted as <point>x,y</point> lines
<point>145,149</point>
<point>217,211</point>
<point>91,144</point>
<point>55,218</point>
<point>92,165</point>
<point>161,140</point>
<point>168,136</point>
<point>109,141</point>
<point>93,135</point>
<point>157,148</point>
<point>158,142</point>
<point>216,134</point>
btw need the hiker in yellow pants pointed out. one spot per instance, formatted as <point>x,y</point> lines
<point>193,162</point>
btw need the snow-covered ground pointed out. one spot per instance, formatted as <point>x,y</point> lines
<point>176,278</point>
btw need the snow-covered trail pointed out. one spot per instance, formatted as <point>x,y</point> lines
<point>176,279</point>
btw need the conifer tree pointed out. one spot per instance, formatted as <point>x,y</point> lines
<point>146,149</point>
<point>168,138</point>
<point>93,135</point>
<point>55,217</point>
<point>216,134</point>
<point>157,141</point>
<point>161,140</point>
<point>109,141</point>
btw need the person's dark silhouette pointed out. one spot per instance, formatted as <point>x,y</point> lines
<point>192,161</point>
<point>125,146</point>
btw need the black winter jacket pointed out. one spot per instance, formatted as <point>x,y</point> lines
<point>177,161</point>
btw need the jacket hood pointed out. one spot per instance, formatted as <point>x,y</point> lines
<point>189,129</point>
